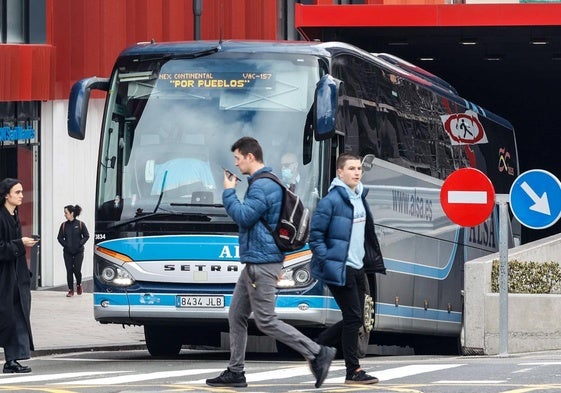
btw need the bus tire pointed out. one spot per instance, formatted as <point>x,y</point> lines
<point>162,340</point>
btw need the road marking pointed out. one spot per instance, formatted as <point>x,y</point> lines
<point>479,197</point>
<point>277,374</point>
<point>469,382</point>
<point>281,373</point>
<point>11,378</point>
<point>524,370</point>
<point>401,372</point>
<point>140,377</point>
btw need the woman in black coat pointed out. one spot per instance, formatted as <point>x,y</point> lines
<point>72,236</point>
<point>15,280</point>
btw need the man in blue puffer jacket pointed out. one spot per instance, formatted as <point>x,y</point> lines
<point>345,248</point>
<point>256,289</point>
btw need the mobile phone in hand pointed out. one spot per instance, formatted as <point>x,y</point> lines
<point>230,174</point>
<point>36,237</point>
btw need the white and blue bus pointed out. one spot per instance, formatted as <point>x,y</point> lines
<point>166,253</point>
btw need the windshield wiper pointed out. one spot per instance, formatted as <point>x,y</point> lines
<point>161,192</point>
<point>134,219</point>
<point>196,204</point>
<point>140,217</point>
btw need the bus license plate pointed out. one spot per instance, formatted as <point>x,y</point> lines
<point>192,301</point>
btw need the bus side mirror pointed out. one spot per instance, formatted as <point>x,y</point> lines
<point>368,162</point>
<point>78,104</point>
<point>325,107</point>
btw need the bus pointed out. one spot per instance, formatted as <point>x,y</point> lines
<point>166,253</point>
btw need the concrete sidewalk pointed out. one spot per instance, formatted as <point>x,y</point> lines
<point>62,324</point>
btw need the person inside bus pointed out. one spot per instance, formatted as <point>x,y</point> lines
<point>289,171</point>
<point>297,181</point>
<point>344,249</point>
<point>256,289</point>
<point>15,280</point>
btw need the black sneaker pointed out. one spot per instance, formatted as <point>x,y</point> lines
<point>229,378</point>
<point>320,365</point>
<point>360,378</point>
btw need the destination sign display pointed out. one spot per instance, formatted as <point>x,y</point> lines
<point>217,80</point>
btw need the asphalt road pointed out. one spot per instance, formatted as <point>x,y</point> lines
<point>135,371</point>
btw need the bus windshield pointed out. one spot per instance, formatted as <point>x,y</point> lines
<point>170,125</point>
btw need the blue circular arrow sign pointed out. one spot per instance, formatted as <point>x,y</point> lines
<point>535,199</point>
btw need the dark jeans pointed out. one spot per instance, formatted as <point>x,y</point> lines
<point>350,299</point>
<point>73,265</point>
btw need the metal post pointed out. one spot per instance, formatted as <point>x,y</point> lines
<point>197,12</point>
<point>502,200</point>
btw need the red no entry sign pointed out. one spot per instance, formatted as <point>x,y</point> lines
<point>467,197</point>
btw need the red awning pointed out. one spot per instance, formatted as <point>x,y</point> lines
<point>310,17</point>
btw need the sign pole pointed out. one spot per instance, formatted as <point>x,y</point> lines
<point>502,200</point>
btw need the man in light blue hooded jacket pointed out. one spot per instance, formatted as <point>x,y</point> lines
<point>345,249</point>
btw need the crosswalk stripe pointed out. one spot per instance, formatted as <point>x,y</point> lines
<point>139,377</point>
<point>274,374</point>
<point>406,371</point>
<point>401,372</point>
<point>11,378</point>
<point>129,376</point>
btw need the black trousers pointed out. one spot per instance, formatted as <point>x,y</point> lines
<point>73,265</point>
<point>350,299</point>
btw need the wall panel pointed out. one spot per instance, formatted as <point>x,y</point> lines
<point>26,72</point>
<point>87,35</point>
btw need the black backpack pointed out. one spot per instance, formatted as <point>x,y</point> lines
<point>293,227</point>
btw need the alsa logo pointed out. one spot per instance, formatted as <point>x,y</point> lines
<point>504,162</point>
<point>484,235</point>
<point>464,128</point>
<point>229,252</point>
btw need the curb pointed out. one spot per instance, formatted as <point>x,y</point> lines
<point>88,348</point>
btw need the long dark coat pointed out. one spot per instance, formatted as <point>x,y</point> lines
<point>14,276</point>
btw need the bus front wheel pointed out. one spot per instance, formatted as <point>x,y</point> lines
<point>162,340</point>
<point>368,324</point>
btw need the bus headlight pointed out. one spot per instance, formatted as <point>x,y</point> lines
<point>116,276</point>
<point>295,276</point>
<point>112,274</point>
<point>108,274</point>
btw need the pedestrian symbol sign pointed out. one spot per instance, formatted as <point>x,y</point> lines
<point>535,199</point>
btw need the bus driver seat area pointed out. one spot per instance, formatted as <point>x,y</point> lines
<point>179,170</point>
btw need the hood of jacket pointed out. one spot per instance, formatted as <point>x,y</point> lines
<point>352,194</point>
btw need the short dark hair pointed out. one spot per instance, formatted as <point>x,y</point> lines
<point>246,145</point>
<point>76,210</point>
<point>343,158</point>
<point>5,187</point>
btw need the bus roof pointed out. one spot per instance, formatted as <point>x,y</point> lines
<point>192,49</point>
